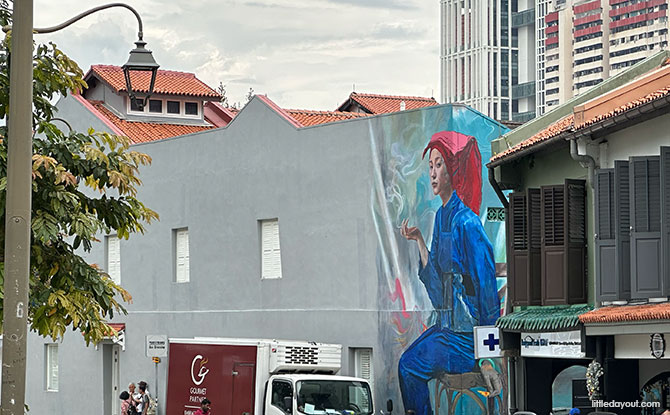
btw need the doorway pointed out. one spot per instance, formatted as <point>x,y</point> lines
<point>110,378</point>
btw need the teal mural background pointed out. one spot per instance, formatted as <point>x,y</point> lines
<point>401,189</point>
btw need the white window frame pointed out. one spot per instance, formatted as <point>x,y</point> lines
<point>364,366</point>
<point>51,367</point>
<point>181,256</point>
<point>271,267</point>
<point>113,257</point>
<point>164,113</point>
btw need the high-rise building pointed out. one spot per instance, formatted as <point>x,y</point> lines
<point>515,59</point>
<point>479,55</point>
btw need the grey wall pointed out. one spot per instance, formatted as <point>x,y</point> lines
<point>219,183</point>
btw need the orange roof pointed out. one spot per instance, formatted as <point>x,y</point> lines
<point>646,88</point>
<point>384,104</point>
<point>140,132</point>
<point>560,126</point>
<point>616,314</point>
<point>309,117</point>
<point>167,82</point>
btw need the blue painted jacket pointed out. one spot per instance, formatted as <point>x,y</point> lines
<point>460,274</point>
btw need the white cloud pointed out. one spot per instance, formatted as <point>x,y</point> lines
<point>301,53</point>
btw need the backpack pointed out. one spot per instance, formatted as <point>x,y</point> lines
<point>132,410</point>
<point>153,406</point>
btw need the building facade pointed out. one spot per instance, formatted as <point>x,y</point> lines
<point>273,229</point>
<point>587,247</point>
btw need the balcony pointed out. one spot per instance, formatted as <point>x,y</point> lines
<point>524,90</point>
<point>523,116</point>
<point>523,18</point>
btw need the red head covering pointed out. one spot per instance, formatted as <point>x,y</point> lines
<point>464,164</point>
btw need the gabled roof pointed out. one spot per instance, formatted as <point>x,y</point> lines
<point>309,117</point>
<point>217,114</point>
<point>618,314</point>
<point>140,132</point>
<point>167,82</point>
<point>652,88</point>
<point>384,104</point>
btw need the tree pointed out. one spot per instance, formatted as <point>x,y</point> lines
<point>250,95</point>
<point>84,184</point>
<point>222,91</point>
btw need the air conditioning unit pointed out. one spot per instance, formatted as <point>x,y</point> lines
<point>305,357</point>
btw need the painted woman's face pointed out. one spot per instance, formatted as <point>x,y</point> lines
<point>439,177</point>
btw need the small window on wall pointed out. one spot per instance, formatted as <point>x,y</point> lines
<point>173,107</point>
<point>181,256</point>
<point>156,105</point>
<point>113,254</point>
<point>191,108</point>
<point>51,357</point>
<point>134,106</point>
<point>270,251</point>
<point>363,367</point>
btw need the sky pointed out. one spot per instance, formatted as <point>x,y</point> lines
<point>302,54</point>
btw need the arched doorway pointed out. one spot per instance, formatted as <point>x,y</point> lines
<point>569,382</point>
<point>657,389</point>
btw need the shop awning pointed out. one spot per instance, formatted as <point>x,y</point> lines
<point>543,318</point>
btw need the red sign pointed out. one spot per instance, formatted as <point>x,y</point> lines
<point>212,371</point>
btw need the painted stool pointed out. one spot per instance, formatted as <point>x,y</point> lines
<point>456,386</point>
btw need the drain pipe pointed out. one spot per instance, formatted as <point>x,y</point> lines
<point>497,189</point>
<point>583,158</point>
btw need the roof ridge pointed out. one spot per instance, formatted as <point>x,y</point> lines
<point>163,71</point>
<point>305,111</point>
<point>418,98</point>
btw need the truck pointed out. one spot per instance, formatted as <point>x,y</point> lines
<point>262,377</point>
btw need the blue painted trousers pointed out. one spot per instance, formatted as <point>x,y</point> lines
<point>434,352</point>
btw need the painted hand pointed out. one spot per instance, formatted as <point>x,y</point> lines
<point>410,232</point>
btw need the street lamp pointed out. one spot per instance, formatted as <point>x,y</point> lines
<point>19,188</point>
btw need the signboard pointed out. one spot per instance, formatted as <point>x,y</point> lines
<point>156,346</point>
<point>487,342</point>
<point>567,344</point>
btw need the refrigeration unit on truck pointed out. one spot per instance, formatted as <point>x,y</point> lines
<point>262,377</point>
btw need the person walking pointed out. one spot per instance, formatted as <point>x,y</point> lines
<point>143,404</point>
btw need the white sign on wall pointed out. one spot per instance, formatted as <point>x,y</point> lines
<point>566,344</point>
<point>487,342</point>
<point>156,346</point>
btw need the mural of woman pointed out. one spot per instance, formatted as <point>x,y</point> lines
<point>458,272</point>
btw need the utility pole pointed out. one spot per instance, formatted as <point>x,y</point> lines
<point>17,214</point>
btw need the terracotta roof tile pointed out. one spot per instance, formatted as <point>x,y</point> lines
<point>633,94</point>
<point>141,132</point>
<point>616,314</point>
<point>384,104</point>
<point>167,82</point>
<point>560,126</point>
<point>309,117</point>
<point>659,93</point>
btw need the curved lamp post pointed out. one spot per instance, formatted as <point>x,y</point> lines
<point>19,187</point>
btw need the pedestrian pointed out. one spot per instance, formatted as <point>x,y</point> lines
<point>143,404</point>
<point>204,407</point>
<point>127,404</point>
<point>134,395</point>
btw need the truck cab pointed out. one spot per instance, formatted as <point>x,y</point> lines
<point>310,394</point>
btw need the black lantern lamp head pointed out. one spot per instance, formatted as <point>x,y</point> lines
<point>140,60</point>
